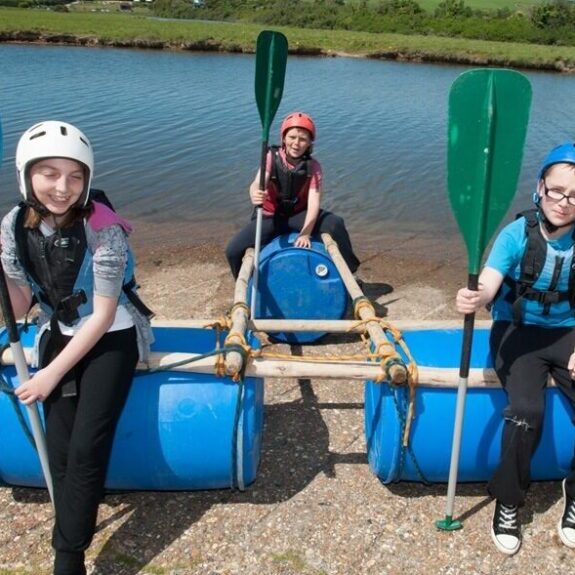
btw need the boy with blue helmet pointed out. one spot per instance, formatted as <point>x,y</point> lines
<point>529,281</point>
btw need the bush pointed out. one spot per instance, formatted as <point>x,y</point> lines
<point>453,9</point>
<point>553,14</point>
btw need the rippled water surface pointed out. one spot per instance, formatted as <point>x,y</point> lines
<point>178,135</point>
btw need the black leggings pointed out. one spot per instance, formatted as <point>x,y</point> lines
<point>524,358</point>
<point>273,226</point>
<point>79,434</point>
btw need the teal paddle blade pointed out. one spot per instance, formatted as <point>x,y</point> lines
<point>488,118</point>
<point>271,59</point>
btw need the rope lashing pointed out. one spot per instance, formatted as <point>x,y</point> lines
<point>223,323</point>
<point>238,341</point>
<point>6,388</point>
<point>388,356</point>
<point>216,351</point>
<point>240,305</point>
<point>359,303</point>
<point>404,418</point>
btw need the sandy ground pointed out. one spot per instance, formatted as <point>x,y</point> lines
<point>315,508</point>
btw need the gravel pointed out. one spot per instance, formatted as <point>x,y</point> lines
<point>315,507</point>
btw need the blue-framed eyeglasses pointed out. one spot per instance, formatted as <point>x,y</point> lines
<point>557,196</point>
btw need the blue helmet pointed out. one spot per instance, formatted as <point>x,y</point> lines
<point>562,154</point>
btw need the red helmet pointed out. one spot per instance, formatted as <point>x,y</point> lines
<point>298,120</point>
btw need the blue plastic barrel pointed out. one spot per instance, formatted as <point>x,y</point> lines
<point>427,457</point>
<point>298,283</point>
<point>178,431</point>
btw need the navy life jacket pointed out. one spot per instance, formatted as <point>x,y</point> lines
<point>59,268</point>
<point>289,182</point>
<point>531,267</point>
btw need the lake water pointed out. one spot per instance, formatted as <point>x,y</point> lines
<point>177,136</point>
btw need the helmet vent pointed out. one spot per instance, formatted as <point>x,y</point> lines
<point>84,142</point>
<point>63,131</point>
<point>37,135</point>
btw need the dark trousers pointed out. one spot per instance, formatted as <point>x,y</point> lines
<point>524,357</point>
<point>273,226</point>
<point>79,436</point>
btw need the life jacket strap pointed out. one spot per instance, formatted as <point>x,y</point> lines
<point>129,289</point>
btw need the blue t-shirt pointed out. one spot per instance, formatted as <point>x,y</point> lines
<point>505,257</point>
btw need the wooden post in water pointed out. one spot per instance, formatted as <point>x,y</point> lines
<point>397,372</point>
<point>234,360</point>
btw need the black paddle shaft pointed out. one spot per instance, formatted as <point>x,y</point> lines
<point>7,310</point>
<point>263,163</point>
<point>468,322</point>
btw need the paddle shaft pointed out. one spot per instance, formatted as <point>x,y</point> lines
<point>464,365</point>
<point>258,239</point>
<point>23,376</point>
<point>488,116</point>
<point>271,58</point>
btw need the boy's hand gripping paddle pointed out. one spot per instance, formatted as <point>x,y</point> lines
<point>271,58</point>
<point>488,117</point>
<point>22,371</point>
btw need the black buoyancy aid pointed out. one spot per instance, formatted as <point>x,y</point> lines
<point>531,267</point>
<point>289,182</point>
<point>54,263</point>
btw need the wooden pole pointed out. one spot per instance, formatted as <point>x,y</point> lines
<point>323,325</point>
<point>397,372</point>
<point>234,360</point>
<point>281,368</point>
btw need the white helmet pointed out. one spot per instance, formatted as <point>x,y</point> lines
<point>53,139</point>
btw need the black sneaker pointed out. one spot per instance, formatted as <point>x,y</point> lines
<point>566,526</point>
<point>505,530</point>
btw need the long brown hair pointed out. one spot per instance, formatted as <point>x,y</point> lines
<point>33,217</point>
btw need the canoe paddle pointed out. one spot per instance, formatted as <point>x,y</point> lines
<point>271,58</point>
<point>488,117</point>
<point>22,371</point>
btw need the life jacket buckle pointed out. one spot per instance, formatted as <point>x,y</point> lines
<point>545,297</point>
<point>67,308</point>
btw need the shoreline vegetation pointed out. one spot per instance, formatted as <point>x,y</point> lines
<point>126,30</point>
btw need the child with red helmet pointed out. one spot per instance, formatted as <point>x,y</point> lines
<point>292,197</point>
<point>529,280</point>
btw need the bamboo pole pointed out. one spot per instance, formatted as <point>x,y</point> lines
<point>397,372</point>
<point>323,325</point>
<point>281,368</point>
<point>234,360</point>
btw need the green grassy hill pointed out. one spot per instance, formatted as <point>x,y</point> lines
<point>513,5</point>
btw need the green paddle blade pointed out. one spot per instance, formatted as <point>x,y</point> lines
<point>488,117</point>
<point>271,58</point>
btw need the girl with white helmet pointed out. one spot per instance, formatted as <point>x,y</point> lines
<point>529,280</point>
<point>292,197</point>
<point>67,249</point>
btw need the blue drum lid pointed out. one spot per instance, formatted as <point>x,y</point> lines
<point>298,283</point>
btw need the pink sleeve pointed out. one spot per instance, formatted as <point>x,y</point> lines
<point>103,217</point>
<point>316,176</point>
<point>269,162</point>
